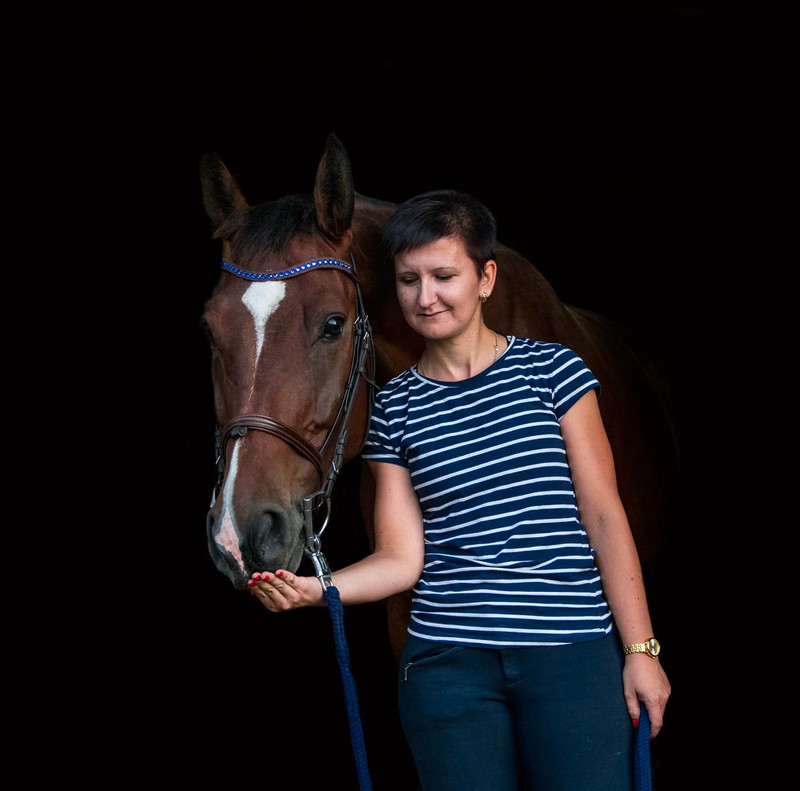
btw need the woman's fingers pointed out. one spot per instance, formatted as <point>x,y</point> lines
<point>275,591</point>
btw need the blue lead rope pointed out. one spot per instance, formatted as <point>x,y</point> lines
<point>641,759</point>
<point>351,698</point>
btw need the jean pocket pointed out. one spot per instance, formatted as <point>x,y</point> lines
<point>435,653</point>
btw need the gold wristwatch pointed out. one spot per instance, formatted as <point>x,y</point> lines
<point>651,647</point>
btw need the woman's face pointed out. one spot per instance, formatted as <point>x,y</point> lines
<point>439,288</point>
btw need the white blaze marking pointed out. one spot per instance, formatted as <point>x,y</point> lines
<point>260,299</point>
<point>227,536</point>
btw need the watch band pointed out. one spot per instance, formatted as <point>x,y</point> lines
<point>651,647</point>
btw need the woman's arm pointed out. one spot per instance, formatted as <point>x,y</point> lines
<point>603,516</point>
<point>394,566</point>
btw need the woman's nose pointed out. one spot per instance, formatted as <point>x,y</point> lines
<point>427,293</point>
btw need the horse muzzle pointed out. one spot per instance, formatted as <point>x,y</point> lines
<point>266,539</point>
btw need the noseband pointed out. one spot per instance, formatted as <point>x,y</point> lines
<point>362,366</point>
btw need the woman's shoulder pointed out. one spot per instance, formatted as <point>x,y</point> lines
<point>544,358</point>
<point>397,384</point>
<point>543,349</point>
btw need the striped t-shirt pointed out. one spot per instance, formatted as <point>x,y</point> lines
<point>507,561</point>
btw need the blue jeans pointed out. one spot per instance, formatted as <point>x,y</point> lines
<point>507,719</point>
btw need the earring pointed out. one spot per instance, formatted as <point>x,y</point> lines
<point>484,297</point>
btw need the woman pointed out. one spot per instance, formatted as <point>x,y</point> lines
<point>529,649</point>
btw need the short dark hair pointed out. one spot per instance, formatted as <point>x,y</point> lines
<point>439,214</point>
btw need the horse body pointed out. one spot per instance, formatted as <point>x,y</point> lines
<point>284,349</point>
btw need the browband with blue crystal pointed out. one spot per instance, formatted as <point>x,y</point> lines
<point>319,263</point>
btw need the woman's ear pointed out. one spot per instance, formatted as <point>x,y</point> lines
<point>489,275</point>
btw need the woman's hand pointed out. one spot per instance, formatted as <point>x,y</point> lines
<point>283,590</point>
<point>646,684</point>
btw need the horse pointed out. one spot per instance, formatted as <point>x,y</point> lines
<point>304,324</point>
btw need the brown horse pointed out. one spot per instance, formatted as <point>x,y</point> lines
<point>304,295</point>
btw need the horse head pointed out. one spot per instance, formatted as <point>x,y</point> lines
<point>291,360</point>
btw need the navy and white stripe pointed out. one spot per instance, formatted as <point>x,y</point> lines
<point>507,561</point>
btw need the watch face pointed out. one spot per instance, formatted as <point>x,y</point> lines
<point>653,647</point>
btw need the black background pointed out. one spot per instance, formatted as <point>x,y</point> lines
<point>593,133</point>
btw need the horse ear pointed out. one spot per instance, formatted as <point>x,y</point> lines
<point>334,195</point>
<point>221,193</point>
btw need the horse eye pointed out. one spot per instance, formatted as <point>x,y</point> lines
<point>208,333</point>
<point>334,327</point>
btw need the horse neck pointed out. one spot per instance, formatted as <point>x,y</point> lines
<point>375,270</point>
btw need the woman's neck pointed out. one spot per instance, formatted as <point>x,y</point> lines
<point>450,361</point>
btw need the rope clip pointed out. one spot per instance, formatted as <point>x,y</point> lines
<point>313,545</point>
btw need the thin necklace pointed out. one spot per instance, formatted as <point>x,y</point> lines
<point>494,335</point>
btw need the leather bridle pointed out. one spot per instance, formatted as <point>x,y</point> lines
<point>362,366</point>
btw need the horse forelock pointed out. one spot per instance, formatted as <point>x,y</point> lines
<point>268,227</point>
